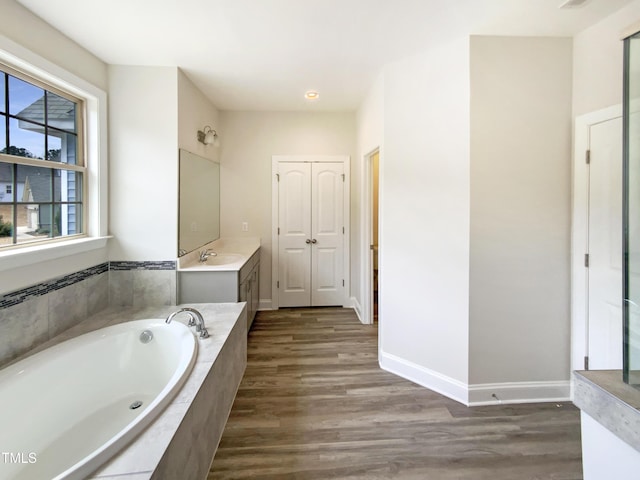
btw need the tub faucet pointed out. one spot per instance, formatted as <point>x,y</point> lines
<point>195,319</point>
<point>204,254</point>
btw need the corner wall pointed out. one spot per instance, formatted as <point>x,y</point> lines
<point>143,175</point>
<point>424,220</point>
<point>519,313</point>
<point>370,136</point>
<point>194,112</point>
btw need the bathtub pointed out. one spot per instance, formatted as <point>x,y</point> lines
<point>66,410</point>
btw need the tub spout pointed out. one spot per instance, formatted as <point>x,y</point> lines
<point>195,318</point>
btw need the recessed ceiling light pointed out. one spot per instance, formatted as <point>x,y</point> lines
<point>312,95</point>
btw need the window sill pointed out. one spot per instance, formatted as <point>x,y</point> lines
<point>23,257</point>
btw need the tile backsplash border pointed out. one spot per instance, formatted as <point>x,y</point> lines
<point>156,265</point>
<point>33,315</point>
<point>19,296</point>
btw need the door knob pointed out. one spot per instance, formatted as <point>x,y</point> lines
<point>314,241</point>
<point>307,241</point>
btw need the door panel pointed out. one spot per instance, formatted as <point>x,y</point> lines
<point>605,246</point>
<point>294,204</point>
<point>327,221</point>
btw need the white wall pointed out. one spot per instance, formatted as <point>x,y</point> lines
<point>248,141</point>
<point>520,209</point>
<point>143,124</point>
<point>30,31</point>
<point>194,112</point>
<point>597,61</point>
<point>424,198</point>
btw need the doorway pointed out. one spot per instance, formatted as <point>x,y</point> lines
<point>375,238</point>
<point>370,269</point>
<point>310,255</point>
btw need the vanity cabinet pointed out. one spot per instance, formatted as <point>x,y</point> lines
<point>249,289</point>
<point>222,286</point>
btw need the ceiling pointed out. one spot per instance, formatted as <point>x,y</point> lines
<point>265,54</point>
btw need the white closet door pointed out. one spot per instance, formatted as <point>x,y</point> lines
<point>327,226</point>
<point>311,239</point>
<point>294,207</point>
<point>605,246</point>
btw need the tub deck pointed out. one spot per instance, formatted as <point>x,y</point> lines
<point>182,441</point>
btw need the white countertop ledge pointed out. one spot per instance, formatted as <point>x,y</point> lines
<point>243,247</point>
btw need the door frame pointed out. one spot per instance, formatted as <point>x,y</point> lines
<point>275,274</point>
<point>579,232</point>
<point>366,316</point>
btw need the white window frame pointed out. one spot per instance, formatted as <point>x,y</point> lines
<point>96,194</point>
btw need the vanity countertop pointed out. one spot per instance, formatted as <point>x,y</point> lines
<point>231,255</point>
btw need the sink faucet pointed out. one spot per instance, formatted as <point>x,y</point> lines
<point>204,254</point>
<point>195,319</point>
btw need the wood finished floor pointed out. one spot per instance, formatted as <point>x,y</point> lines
<point>314,404</point>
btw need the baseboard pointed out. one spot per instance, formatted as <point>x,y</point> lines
<point>265,304</point>
<point>357,308</point>
<point>519,392</point>
<point>425,377</point>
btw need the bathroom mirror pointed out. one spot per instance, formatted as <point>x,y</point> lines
<point>199,202</point>
<point>631,214</point>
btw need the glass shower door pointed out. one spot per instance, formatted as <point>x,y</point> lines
<point>631,214</point>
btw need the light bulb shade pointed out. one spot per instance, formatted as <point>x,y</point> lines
<point>210,137</point>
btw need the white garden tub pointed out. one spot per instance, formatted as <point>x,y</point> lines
<point>66,410</point>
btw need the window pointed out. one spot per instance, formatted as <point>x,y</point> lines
<point>42,164</point>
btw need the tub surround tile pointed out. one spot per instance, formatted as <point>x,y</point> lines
<point>46,287</point>
<point>23,327</point>
<point>142,288</point>
<point>120,288</point>
<point>98,293</point>
<point>67,300</point>
<point>154,287</point>
<point>67,308</point>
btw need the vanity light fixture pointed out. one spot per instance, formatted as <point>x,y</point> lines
<point>312,95</point>
<point>209,136</point>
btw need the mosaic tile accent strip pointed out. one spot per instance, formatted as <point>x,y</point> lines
<point>131,265</point>
<point>22,295</point>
